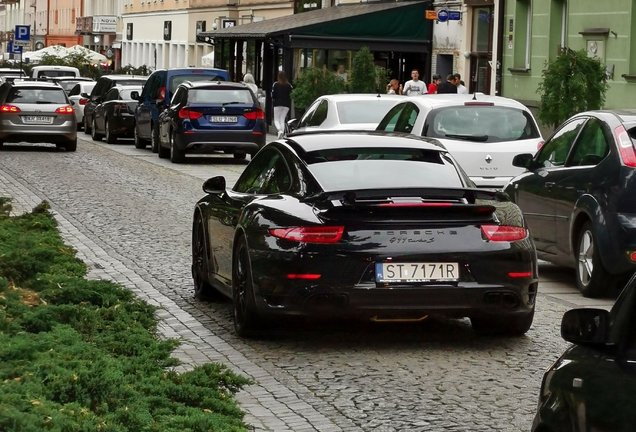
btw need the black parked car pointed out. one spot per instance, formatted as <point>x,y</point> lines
<point>114,118</point>
<point>591,387</point>
<point>205,116</point>
<point>311,228</point>
<point>578,198</point>
<point>103,84</point>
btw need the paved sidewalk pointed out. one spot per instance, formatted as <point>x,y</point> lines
<point>270,406</point>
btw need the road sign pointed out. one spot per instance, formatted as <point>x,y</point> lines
<point>13,49</point>
<point>442,15</point>
<point>454,15</point>
<point>22,32</point>
<point>109,53</point>
<point>21,43</point>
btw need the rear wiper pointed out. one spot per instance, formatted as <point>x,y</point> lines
<point>230,103</point>
<point>43,102</point>
<point>469,137</point>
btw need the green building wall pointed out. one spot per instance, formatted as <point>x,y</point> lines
<point>595,16</point>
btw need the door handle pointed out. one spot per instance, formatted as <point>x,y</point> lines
<point>549,185</point>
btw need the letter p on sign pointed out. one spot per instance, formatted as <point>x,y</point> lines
<point>22,33</point>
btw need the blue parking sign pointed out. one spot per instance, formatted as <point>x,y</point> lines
<point>22,32</point>
<point>13,49</point>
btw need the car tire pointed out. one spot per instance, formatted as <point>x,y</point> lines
<point>139,142</point>
<point>96,136</point>
<point>176,155</point>
<point>246,318</point>
<point>515,325</point>
<point>110,137</point>
<point>203,290</point>
<point>86,123</point>
<point>154,139</point>
<point>239,155</point>
<point>71,146</point>
<point>591,277</point>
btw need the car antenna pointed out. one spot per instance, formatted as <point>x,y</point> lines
<point>475,96</point>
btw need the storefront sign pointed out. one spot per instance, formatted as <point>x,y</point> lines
<point>454,15</point>
<point>431,14</point>
<point>104,24</point>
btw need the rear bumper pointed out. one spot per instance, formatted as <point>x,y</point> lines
<point>122,125</point>
<point>226,140</point>
<point>10,132</point>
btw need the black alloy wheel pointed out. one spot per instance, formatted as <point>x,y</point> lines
<point>154,138</point>
<point>591,277</point>
<point>176,155</point>
<point>110,137</point>
<point>246,319</point>
<point>202,288</point>
<point>139,143</point>
<point>96,136</point>
<point>87,129</point>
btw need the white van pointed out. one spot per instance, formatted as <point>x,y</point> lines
<point>54,71</point>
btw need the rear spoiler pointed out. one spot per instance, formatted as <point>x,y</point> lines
<point>458,195</point>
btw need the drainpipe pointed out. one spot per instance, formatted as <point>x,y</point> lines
<point>48,18</point>
<point>495,63</point>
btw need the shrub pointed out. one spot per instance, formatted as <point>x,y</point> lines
<point>571,84</point>
<point>313,83</point>
<point>364,77</point>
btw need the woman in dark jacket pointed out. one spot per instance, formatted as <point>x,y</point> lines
<point>281,91</point>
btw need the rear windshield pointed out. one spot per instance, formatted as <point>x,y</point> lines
<point>384,168</point>
<point>55,73</point>
<point>221,96</point>
<point>193,77</point>
<point>480,124</point>
<point>15,72</point>
<point>36,95</point>
<point>68,85</point>
<point>363,111</point>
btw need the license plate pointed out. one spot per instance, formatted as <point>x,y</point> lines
<point>417,272</point>
<point>38,119</point>
<point>223,119</point>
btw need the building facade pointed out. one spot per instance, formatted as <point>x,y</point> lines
<point>535,32</point>
<point>56,21</point>
<point>101,27</point>
<point>163,33</point>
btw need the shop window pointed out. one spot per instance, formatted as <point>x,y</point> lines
<point>482,29</point>
<point>558,28</point>
<point>522,35</point>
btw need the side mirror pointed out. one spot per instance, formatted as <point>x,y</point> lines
<point>523,160</point>
<point>585,326</point>
<point>292,125</point>
<point>214,185</point>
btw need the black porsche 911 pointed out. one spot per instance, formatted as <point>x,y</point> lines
<point>377,226</point>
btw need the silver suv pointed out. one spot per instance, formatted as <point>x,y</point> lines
<point>36,111</point>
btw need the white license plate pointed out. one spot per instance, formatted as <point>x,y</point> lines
<point>223,119</point>
<point>38,119</point>
<point>417,272</point>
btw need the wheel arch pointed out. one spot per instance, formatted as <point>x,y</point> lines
<point>198,213</point>
<point>586,209</point>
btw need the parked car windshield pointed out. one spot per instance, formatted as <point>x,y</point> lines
<point>221,96</point>
<point>193,77</point>
<point>385,168</point>
<point>36,95</point>
<point>480,123</point>
<point>363,111</point>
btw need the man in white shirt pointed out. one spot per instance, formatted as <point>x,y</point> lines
<point>414,87</point>
<point>461,89</point>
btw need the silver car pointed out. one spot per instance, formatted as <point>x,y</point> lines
<point>78,96</point>
<point>35,111</point>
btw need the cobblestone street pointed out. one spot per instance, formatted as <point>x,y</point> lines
<point>129,215</point>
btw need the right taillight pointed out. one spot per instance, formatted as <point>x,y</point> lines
<point>625,146</point>
<point>9,109</point>
<point>186,113</point>
<point>322,234</point>
<point>258,114</point>
<point>503,233</point>
<point>540,145</point>
<point>162,93</point>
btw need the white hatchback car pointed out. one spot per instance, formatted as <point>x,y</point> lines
<point>345,112</point>
<point>483,133</point>
<point>78,96</point>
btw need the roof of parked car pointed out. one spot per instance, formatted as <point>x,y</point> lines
<point>321,140</point>
<point>212,84</point>
<point>25,83</point>
<point>441,100</point>
<point>124,76</point>
<point>191,68</point>
<point>361,96</point>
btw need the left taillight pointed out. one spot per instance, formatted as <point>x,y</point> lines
<point>83,101</point>
<point>186,113</point>
<point>258,114</point>
<point>323,234</point>
<point>9,109</point>
<point>64,110</point>
<point>503,233</point>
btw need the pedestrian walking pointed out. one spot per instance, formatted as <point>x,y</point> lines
<point>281,100</point>
<point>448,86</point>
<point>461,88</point>
<point>432,87</point>
<point>414,87</point>
<point>394,87</point>
<point>248,79</point>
